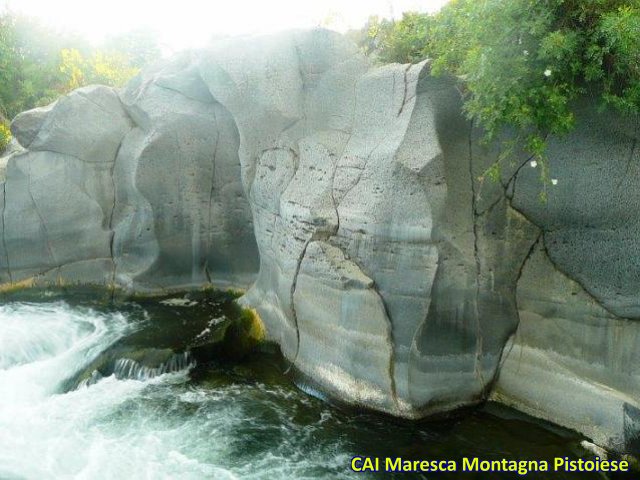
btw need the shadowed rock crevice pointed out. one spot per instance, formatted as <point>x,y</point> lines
<point>294,314</point>
<point>506,351</point>
<point>392,358</point>
<point>476,257</point>
<point>4,234</point>
<point>110,224</point>
<point>211,197</point>
<point>43,225</point>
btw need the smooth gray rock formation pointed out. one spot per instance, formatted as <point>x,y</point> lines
<point>11,149</point>
<point>26,125</point>
<point>196,228</point>
<point>350,199</point>
<point>152,202</point>
<point>571,361</point>
<point>575,357</point>
<point>58,195</point>
<point>343,322</point>
<point>592,208</point>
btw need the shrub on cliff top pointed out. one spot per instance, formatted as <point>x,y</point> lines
<point>522,62</point>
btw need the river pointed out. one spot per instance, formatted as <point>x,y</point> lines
<point>220,420</point>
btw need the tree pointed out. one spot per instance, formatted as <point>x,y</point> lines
<point>106,68</point>
<point>402,41</point>
<point>38,64</point>
<point>522,63</point>
<point>28,64</point>
<point>139,47</point>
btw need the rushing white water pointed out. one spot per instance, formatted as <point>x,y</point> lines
<point>217,421</point>
<point>138,428</point>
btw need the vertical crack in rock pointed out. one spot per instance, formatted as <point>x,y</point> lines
<point>344,149</point>
<point>294,285</point>
<point>505,187</point>
<point>333,196</point>
<point>512,180</point>
<point>526,259</point>
<point>112,232</point>
<point>304,86</point>
<point>406,89</point>
<point>579,282</point>
<point>634,144</point>
<point>477,364</point>
<point>296,47</point>
<point>207,273</point>
<point>303,81</point>
<point>314,236</point>
<point>392,349</point>
<point>211,192</point>
<point>362,169</point>
<point>4,230</point>
<point>296,166</point>
<point>41,218</point>
<point>114,186</point>
<point>503,354</point>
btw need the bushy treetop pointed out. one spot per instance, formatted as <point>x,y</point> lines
<point>521,63</point>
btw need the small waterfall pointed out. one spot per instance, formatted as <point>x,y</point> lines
<point>126,368</point>
<point>41,345</point>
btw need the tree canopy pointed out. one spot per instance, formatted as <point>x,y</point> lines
<point>38,64</point>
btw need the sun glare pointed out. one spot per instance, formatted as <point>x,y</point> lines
<point>192,23</point>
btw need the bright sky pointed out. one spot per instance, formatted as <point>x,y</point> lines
<point>191,23</point>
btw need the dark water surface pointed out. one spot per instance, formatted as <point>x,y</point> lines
<point>220,420</point>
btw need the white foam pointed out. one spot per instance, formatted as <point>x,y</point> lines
<point>149,426</point>
<point>45,434</point>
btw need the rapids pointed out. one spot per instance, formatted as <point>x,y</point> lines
<point>220,421</point>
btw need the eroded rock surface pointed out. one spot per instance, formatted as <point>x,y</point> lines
<point>348,197</point>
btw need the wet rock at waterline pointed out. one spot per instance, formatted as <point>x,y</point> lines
<point>347,197</point>
<point>173,334</point>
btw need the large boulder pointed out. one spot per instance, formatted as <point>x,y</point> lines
<point>181,217</point>
<point>58,194</point>
<point>373,165</point>
<point>26,125</point>
<point>139,190</point>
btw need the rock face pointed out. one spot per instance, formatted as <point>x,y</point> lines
<point>348,198</point>
<point>578,297</point>
<point>138,189</point>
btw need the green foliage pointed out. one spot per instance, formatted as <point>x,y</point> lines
<point>102,67</point>
<point>28,64</point>
<point>5,136</point>
<point>402,41</point>
<point>139,47</point>
<point>522,63</point>
<point>38,64</point>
